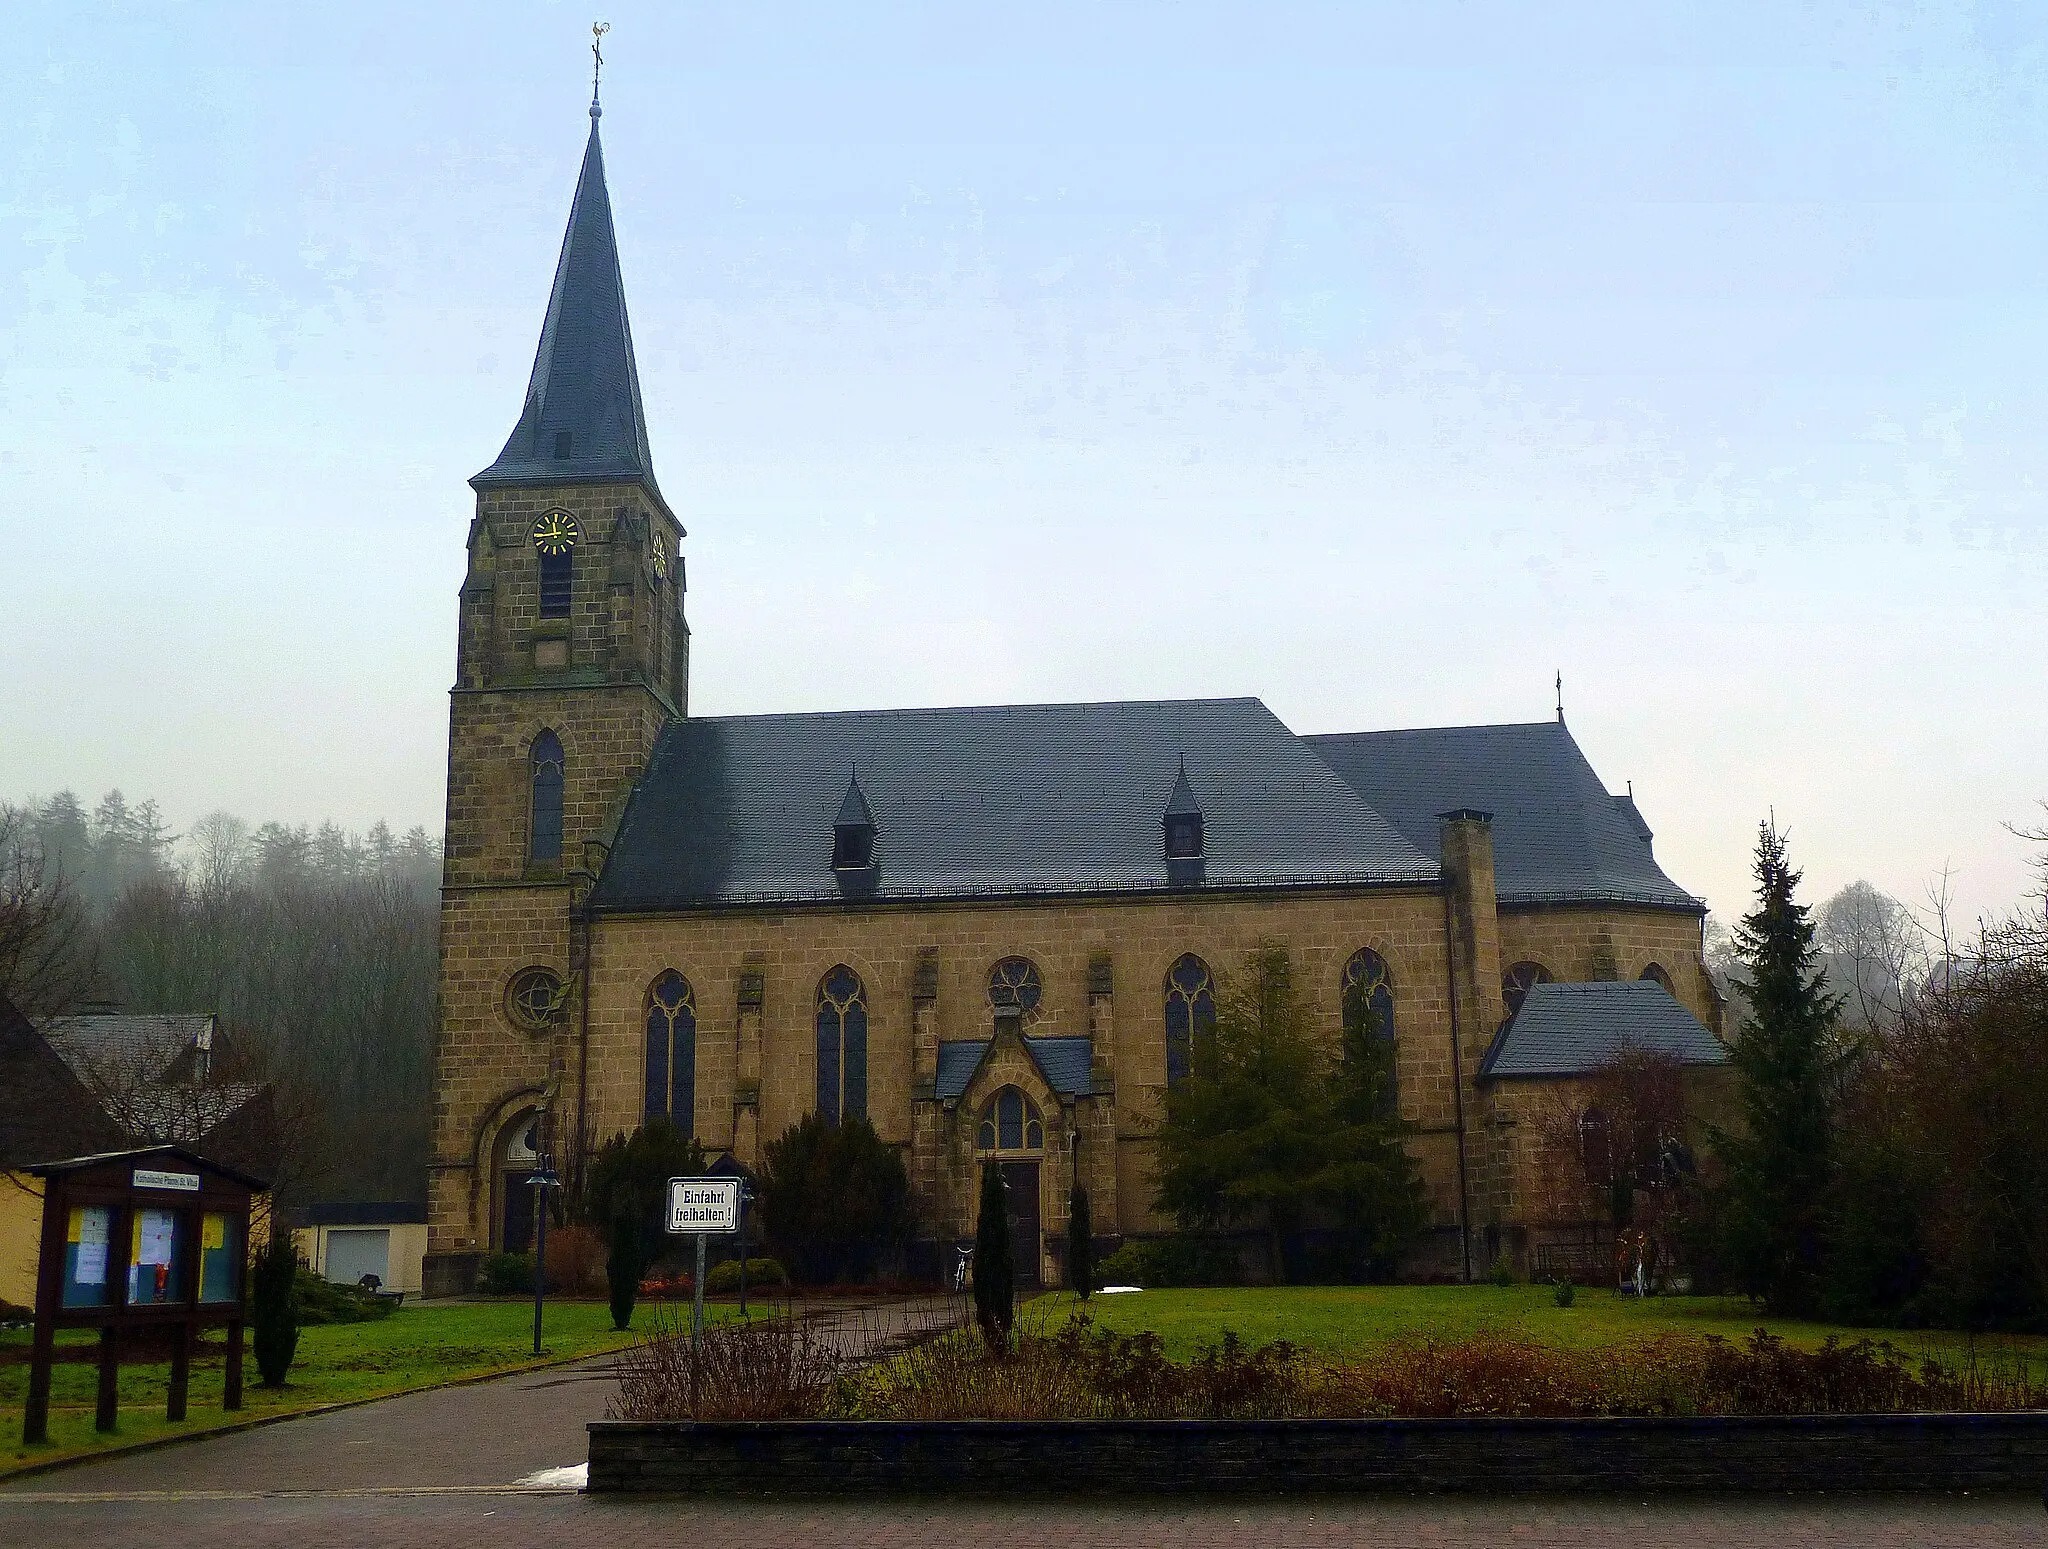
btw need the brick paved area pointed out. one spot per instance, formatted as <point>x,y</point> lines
<point>567,1521</point>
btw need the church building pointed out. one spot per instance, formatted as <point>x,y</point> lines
<point>994,931</point>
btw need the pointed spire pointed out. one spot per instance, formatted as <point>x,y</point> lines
<point>853,811</point>
<point>582,422</point>
<point>1182,803</point>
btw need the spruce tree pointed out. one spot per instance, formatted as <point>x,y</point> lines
<point>1080,1243</point>
<point>622,1266</point>
<point>274,1322</point>
<point>994,1276</point>
<point>1780,1165</point>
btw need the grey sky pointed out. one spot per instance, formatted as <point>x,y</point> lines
<point>1377,361</point>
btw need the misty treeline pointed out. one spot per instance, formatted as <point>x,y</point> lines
<point>316,947</point>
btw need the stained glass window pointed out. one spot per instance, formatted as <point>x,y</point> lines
<point>534,998</point>
<point>1369,1004</point>
<point>1518,981</point>
<point>1014,982</point>
<point>1190,1014</point>
<point>548,775</point>
<point>1010,1122</point>
<point>842,1046</point>
<point>671,1087</point>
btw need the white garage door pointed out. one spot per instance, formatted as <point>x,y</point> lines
<point>358,1252</point>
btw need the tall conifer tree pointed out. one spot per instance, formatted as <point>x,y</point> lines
<point>995,1281</point>
<point>1779,1168</point>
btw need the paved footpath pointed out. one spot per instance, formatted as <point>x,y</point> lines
<point>446,1467</point>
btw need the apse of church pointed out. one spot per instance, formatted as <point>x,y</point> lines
<point>993,930</point>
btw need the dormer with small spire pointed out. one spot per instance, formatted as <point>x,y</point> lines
<point>1183,827</point>
<point>853,840</point>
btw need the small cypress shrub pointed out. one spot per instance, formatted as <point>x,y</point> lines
<point>994,1276</point>
<point>1080,1243</point>
<point>274,1322</point>
<point>1503,1271</point>
<point>1566,1292</point>
<point>622,1265</point>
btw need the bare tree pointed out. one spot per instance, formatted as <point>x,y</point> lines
<point>1874,951</point>
<point>219,854</point>
<point>46,953</point>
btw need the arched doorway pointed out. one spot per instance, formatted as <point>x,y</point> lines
<point>519,1145</point>
<point>1011,1134</point>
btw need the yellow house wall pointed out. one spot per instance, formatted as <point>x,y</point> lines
<point>21,1241</point>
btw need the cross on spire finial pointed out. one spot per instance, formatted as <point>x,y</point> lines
<point>597,32</point>
<point>1560,696</point>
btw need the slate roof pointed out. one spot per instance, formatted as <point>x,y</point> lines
<point>1004,800</point>
<point>585,382</point>
<point>122,1049</point>
<point>1573,1029</point>
<point>1065,1062</point>
<point>1558,835</point>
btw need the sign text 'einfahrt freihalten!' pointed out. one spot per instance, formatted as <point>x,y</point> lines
<point>703,1204</point>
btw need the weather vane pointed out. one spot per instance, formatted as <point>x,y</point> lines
<point>597,32</point>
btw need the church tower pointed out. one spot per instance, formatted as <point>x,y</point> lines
<point>572,654</point>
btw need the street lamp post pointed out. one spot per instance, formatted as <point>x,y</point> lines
<point>542,1180</point>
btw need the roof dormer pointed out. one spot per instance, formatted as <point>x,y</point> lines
<point>1182,825</point>
<point>853,840</point>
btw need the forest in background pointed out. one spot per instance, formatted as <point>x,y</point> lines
<point>316,947</point>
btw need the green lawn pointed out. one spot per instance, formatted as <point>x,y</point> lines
<point>416,1347</point>
<point>1340,1320</point>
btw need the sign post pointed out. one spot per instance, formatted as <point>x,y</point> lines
<point>702,1206</point>
<point>542,1180</point>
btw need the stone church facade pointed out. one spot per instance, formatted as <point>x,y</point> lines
<point>991,930</point>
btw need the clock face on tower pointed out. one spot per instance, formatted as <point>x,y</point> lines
<point>556,532</point>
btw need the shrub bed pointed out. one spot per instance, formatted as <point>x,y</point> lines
<point>777,1368</point>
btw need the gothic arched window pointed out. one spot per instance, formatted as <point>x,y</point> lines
<point>672,1052</point>
<point>1656,974</point>
<point>1369,1007</point>
<point>544,846</point>
<point>1518,981</point>
<point>1014,982</point>
<point>1009,1122</point>
<point>1190,1014</point>
<point>842,1046</point>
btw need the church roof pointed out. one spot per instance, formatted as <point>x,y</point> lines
<point>581,422</point>
<point>1558,835</point>
<point>1003,800</point>
<point>1574,1029</point>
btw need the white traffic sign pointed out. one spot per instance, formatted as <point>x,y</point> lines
<point>703,1205</point>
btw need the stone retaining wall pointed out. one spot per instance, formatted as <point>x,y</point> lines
<point>1998,1452</point>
